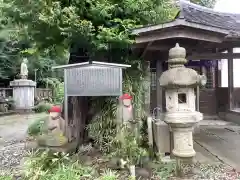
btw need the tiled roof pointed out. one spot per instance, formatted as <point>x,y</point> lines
<point>206,16</point>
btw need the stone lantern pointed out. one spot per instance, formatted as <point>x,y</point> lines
<point>181,115</point>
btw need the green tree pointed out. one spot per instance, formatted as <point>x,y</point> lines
<point>95,28</point>
<point>95,23</point>
<point>206,3</point>
<point>15,43</point>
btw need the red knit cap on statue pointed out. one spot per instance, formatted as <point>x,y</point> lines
<point>55,109</point>
<point>125,96</point>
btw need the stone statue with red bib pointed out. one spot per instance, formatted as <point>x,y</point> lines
<point>125,109</point>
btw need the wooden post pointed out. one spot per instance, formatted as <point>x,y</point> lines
<point>147,89</point>
<point>147,93</point>
<point>159,70</point>
<point>198,98</point>
<point>217,74</point>
<point>230,78</point>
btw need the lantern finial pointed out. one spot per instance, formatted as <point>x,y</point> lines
<point>177,56</point>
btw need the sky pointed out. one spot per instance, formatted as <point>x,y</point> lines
<point>230,6</point>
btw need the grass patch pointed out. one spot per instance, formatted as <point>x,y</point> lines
<point>6,177</point>
<point>37,126</point>
<point>42,107</point>
<point>60,166</point>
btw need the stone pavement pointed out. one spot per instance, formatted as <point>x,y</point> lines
<point>13,131</point>
<point>218,141</point>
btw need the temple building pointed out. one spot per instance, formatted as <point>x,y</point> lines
<point>210,39</point>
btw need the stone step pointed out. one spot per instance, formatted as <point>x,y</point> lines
<point>211,117</point>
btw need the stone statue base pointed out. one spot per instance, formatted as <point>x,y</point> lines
<point>23,94</point>
<point>52,140</point>
<point>67,148</point>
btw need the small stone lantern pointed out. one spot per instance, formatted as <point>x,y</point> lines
<point>181,115</point>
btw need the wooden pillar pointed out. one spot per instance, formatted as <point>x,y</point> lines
<point>219,73</point>
<point>230,78</point>
<point>159,70</point>
<point>147,89</point>
<point>217,84</point>
<point>197,98</point>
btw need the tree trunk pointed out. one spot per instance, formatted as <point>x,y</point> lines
<point>77,106</point>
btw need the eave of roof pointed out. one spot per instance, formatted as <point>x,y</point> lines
<point>195,16</point>
<point>178,22</point>
<point>210,17</point>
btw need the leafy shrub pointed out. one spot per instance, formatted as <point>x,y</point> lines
<point>42,107</point>
<point>43,162</point>
<point>58,89</point>
<point>109,175</point>
<point>51,166</point>
<point>37,127</point>
<point>102,128</point>
<point>164,171</point>
<point>128,148</point>
<point>5,177</point>
<point>59,93</point>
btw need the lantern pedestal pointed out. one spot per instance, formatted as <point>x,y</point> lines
<point>23,94</point>
<point>182,125</point>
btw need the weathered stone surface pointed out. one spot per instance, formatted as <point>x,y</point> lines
<point>179,77</point>
<point>53,136</point>
<point>23,94</point>
<point>24,69</point>
<point>179,83</point>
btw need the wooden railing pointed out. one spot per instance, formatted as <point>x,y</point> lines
<point>40,93</point>
<point>43,93</point>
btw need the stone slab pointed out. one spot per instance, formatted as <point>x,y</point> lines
<point>214,123</point>
<point>161,137</point>
<point>224,144</point>
<point>203,156</point>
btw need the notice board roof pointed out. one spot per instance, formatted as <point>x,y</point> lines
<point>91,63</point>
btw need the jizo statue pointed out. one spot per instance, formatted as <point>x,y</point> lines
<point>54,135</point>
<point>125,109</point>
<point>124,119</point>
<point>24,69</point>
<point>125,115</point>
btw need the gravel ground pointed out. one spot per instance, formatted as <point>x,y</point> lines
<point>12,140</point>
<point>215,172</point>
<point>12,150</point>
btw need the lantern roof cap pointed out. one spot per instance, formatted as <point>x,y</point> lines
<point>178,75</point>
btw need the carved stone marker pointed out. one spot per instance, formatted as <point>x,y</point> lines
<point>54,135</point>
<point>179,83</point>
<point>24,69</point>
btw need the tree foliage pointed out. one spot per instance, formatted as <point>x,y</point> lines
<point>206,3</point>
<point>15,43</point>
<point>44,30</point>
<point>55,25</point>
